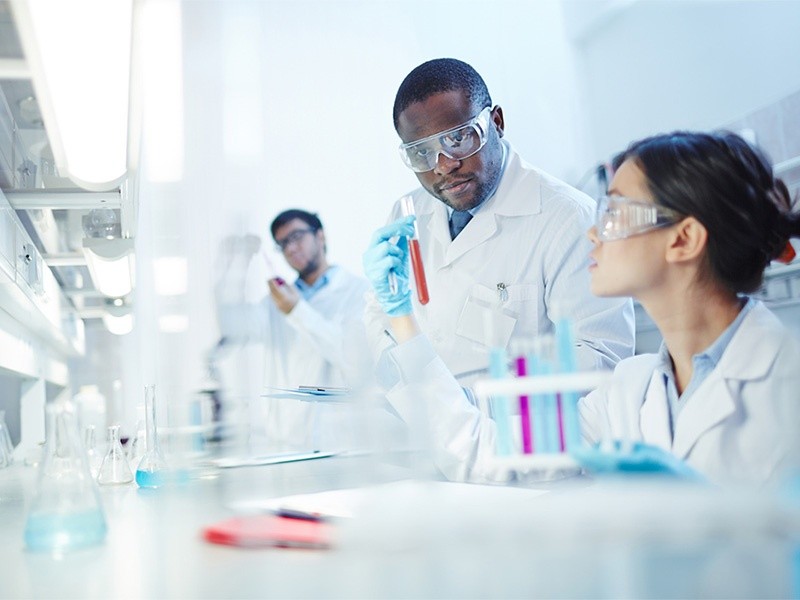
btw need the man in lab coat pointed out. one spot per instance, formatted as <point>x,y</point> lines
<point>310,329</point>
<point>503,244</point>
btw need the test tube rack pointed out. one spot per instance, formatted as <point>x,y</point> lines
<point>536,386</point>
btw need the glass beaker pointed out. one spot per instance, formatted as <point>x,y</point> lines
<point>65,512</point>
<point>152,469</point>
<point>114,468</point>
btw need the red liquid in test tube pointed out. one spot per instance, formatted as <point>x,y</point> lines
<point>419,271</point>
<point>407,204</point>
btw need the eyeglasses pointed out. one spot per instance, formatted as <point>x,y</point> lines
<point>457,143</point>
<point>292,238</point>
<point>619,217</point>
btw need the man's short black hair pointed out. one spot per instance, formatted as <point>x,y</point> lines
<point>440,75</point>
<point>310,219</point>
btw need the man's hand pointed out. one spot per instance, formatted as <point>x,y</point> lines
<point>284,295</point>
<point>382,258</point>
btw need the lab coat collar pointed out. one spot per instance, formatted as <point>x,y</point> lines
<point>654,414</point>
<point>749,356</point>
<point>504,203</point>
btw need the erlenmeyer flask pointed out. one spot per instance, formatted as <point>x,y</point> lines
<point>65,512</point>
<point>152,469</point>
<point>114,468</point>
<point>6,447</point>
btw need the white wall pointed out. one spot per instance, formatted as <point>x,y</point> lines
<point>293,100</point>
<point>658,65</point>
<point>289,103</point>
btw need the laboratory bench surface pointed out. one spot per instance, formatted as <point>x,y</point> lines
<point>416,539</point>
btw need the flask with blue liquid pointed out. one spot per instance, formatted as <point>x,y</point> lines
<point>65,513</point>
<point>152,469</point>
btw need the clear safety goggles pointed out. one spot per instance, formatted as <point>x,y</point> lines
<point>292,238</point>
<point>619,217</point>
<point>457,143</point>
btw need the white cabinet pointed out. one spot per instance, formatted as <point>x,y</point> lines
<point>29,264</point>
<point>29,292</point>
<point>8,227</point>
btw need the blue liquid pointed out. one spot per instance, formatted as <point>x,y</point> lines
<point>65,531</point>
<point>149,479</point>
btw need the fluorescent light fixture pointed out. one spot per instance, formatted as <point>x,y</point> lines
<point>79,54</point>
<point>162,94</point>
<point>110,263</point>
<point>118,319</point>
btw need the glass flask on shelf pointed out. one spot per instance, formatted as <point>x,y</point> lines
<point>114,468</point>
<point>65,513</point>
<point>152,469</point>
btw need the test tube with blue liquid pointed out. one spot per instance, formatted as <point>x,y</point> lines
<point>152,469</point>
<point>498,369</point>
<point>545,410</point>
<point>568,414</point>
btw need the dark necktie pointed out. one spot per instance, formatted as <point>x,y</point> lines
<point>458,220</point>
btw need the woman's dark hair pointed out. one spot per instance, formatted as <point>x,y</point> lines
<point>310,219</point>
<point>727,185</point>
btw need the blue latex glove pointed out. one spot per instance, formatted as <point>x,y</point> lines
<point>383,257</point>
<point>639,458</point>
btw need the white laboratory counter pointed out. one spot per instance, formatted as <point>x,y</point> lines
<point>416,539</point>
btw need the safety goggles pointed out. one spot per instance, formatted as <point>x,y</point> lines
<point>457,143</point>
<point>619,217</point>
<point>292,238</point>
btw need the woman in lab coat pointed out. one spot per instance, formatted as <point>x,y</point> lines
<point>690,223</point>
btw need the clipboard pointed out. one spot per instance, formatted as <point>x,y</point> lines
<point>308,393</point>
<point>271,459</point>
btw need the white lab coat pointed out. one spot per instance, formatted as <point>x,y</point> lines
<point>739,426</point>
<point>531,237</point>
<point>315,344</point>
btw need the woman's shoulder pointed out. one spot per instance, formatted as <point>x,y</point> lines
<point>762,326</point>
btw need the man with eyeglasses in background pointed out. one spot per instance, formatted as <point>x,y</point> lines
<point>503,244</point>
<point>311,329</point>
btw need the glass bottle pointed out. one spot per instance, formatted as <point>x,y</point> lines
<point>90,443</point>
<point>152,469</point>
<point>114,469</point>
<point>65,512</point>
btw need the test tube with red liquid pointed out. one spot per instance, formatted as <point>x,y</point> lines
<point>407,205</point>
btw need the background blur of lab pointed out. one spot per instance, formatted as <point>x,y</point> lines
<point>135,137</point>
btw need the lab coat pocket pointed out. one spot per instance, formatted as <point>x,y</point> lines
<point>522,300</point>
<point>484,318</point>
